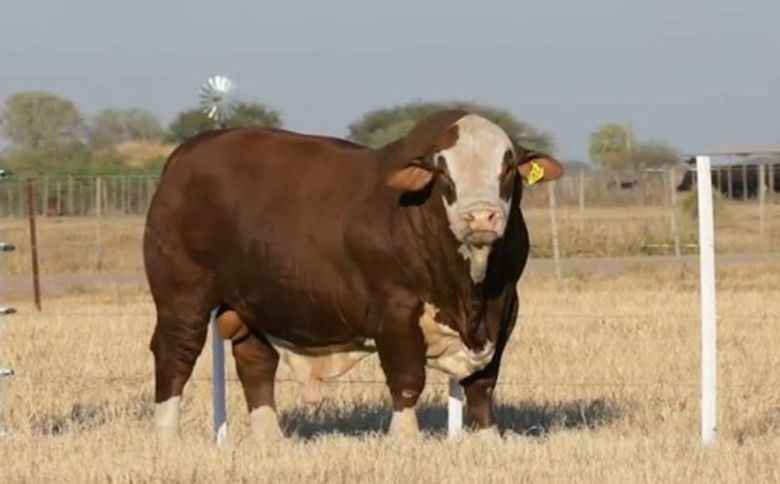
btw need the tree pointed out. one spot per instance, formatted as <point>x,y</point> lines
<point>655,154</point>
<point>611,145</point>
<point>38,119</point>
<point>50,159</point>
<point>382,126</point>
<point>248,115</point>
<point>189,123</point>
<point>114,126</point>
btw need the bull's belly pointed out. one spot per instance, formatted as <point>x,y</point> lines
<point>313,364</point>
<point>445,352</point>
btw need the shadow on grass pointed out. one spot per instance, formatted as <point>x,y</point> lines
<point>89,416</point>
<point>765,424</point>
<point>525,418</point>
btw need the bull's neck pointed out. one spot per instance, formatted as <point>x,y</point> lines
<point>454,262</point>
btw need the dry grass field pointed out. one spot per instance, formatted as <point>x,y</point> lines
<point>600,384</point>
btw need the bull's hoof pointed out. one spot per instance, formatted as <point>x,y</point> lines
<point>265,425</point>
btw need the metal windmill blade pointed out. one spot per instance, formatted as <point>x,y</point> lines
<point>216,98</point>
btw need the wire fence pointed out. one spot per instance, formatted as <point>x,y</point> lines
<point>88,224</point>
<point>99,197</point>
<point>74,195</point>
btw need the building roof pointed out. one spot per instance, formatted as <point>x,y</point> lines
<point>741,155</point>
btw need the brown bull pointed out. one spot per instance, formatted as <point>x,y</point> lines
<point>319,252</point>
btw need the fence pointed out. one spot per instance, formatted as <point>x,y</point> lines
<point>93,223</point>
<point>584,189</point>
<point>80,195</point>
<point>4,311</point>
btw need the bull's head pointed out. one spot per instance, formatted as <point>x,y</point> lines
<point>477,166</point>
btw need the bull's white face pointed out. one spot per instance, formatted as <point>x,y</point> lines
<point>476,168</point>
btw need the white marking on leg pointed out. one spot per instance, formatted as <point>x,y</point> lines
<point>265,424</point>
<point>167,416</point>
<point>404,423</point>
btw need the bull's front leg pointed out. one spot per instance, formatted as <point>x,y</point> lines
<point>401,349</point>
<point>478,389</point>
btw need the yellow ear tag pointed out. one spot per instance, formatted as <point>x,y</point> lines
<point>536,173</point>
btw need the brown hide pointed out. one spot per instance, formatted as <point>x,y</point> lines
<point>303,238</point>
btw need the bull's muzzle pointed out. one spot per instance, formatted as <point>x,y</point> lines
<point>484,225</point>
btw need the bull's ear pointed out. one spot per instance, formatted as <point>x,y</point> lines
<point>411,178</point>
<point>539,168</point>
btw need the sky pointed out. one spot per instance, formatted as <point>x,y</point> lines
<point>700,74</point>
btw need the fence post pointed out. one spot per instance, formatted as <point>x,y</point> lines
<point>582,200</point>
<point>730,181</point>
<point>761,197</point>
<point>454,408</point>
<point>71,194</point>
<point>33,242</point>
<point>150,185</point>
<point>139,186</point>
<point>4,311</point>
<point>98,223</point>
<point>554,228</point>
<point>673,212</point>
<point>124,195</point>
<point>771,181</point>
<point>709,356</point>
<point>219,390</point>
<point>744,183</point>
<point>59,197</point>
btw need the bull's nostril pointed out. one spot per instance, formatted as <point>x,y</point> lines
<point>468,217</point>
<point>492,216</point>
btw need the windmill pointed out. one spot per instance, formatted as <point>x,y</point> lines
<point>217,99</point>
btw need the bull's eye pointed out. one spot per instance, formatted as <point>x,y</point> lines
<point>441,161</point>
<point>445,177</point>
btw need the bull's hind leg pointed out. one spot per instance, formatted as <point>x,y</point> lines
<point>176,343</point>
<point>256,364</point>
<point>184,297</point>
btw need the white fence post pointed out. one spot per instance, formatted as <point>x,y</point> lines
<point>219,391</point>
<point>709,357</point>
<point>454,408</point>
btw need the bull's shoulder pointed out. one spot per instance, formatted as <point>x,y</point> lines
<point>192,143</point>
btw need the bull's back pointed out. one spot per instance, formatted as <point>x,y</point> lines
<point>263,212</point>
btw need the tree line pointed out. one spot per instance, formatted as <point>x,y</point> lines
<point>47,133</point>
